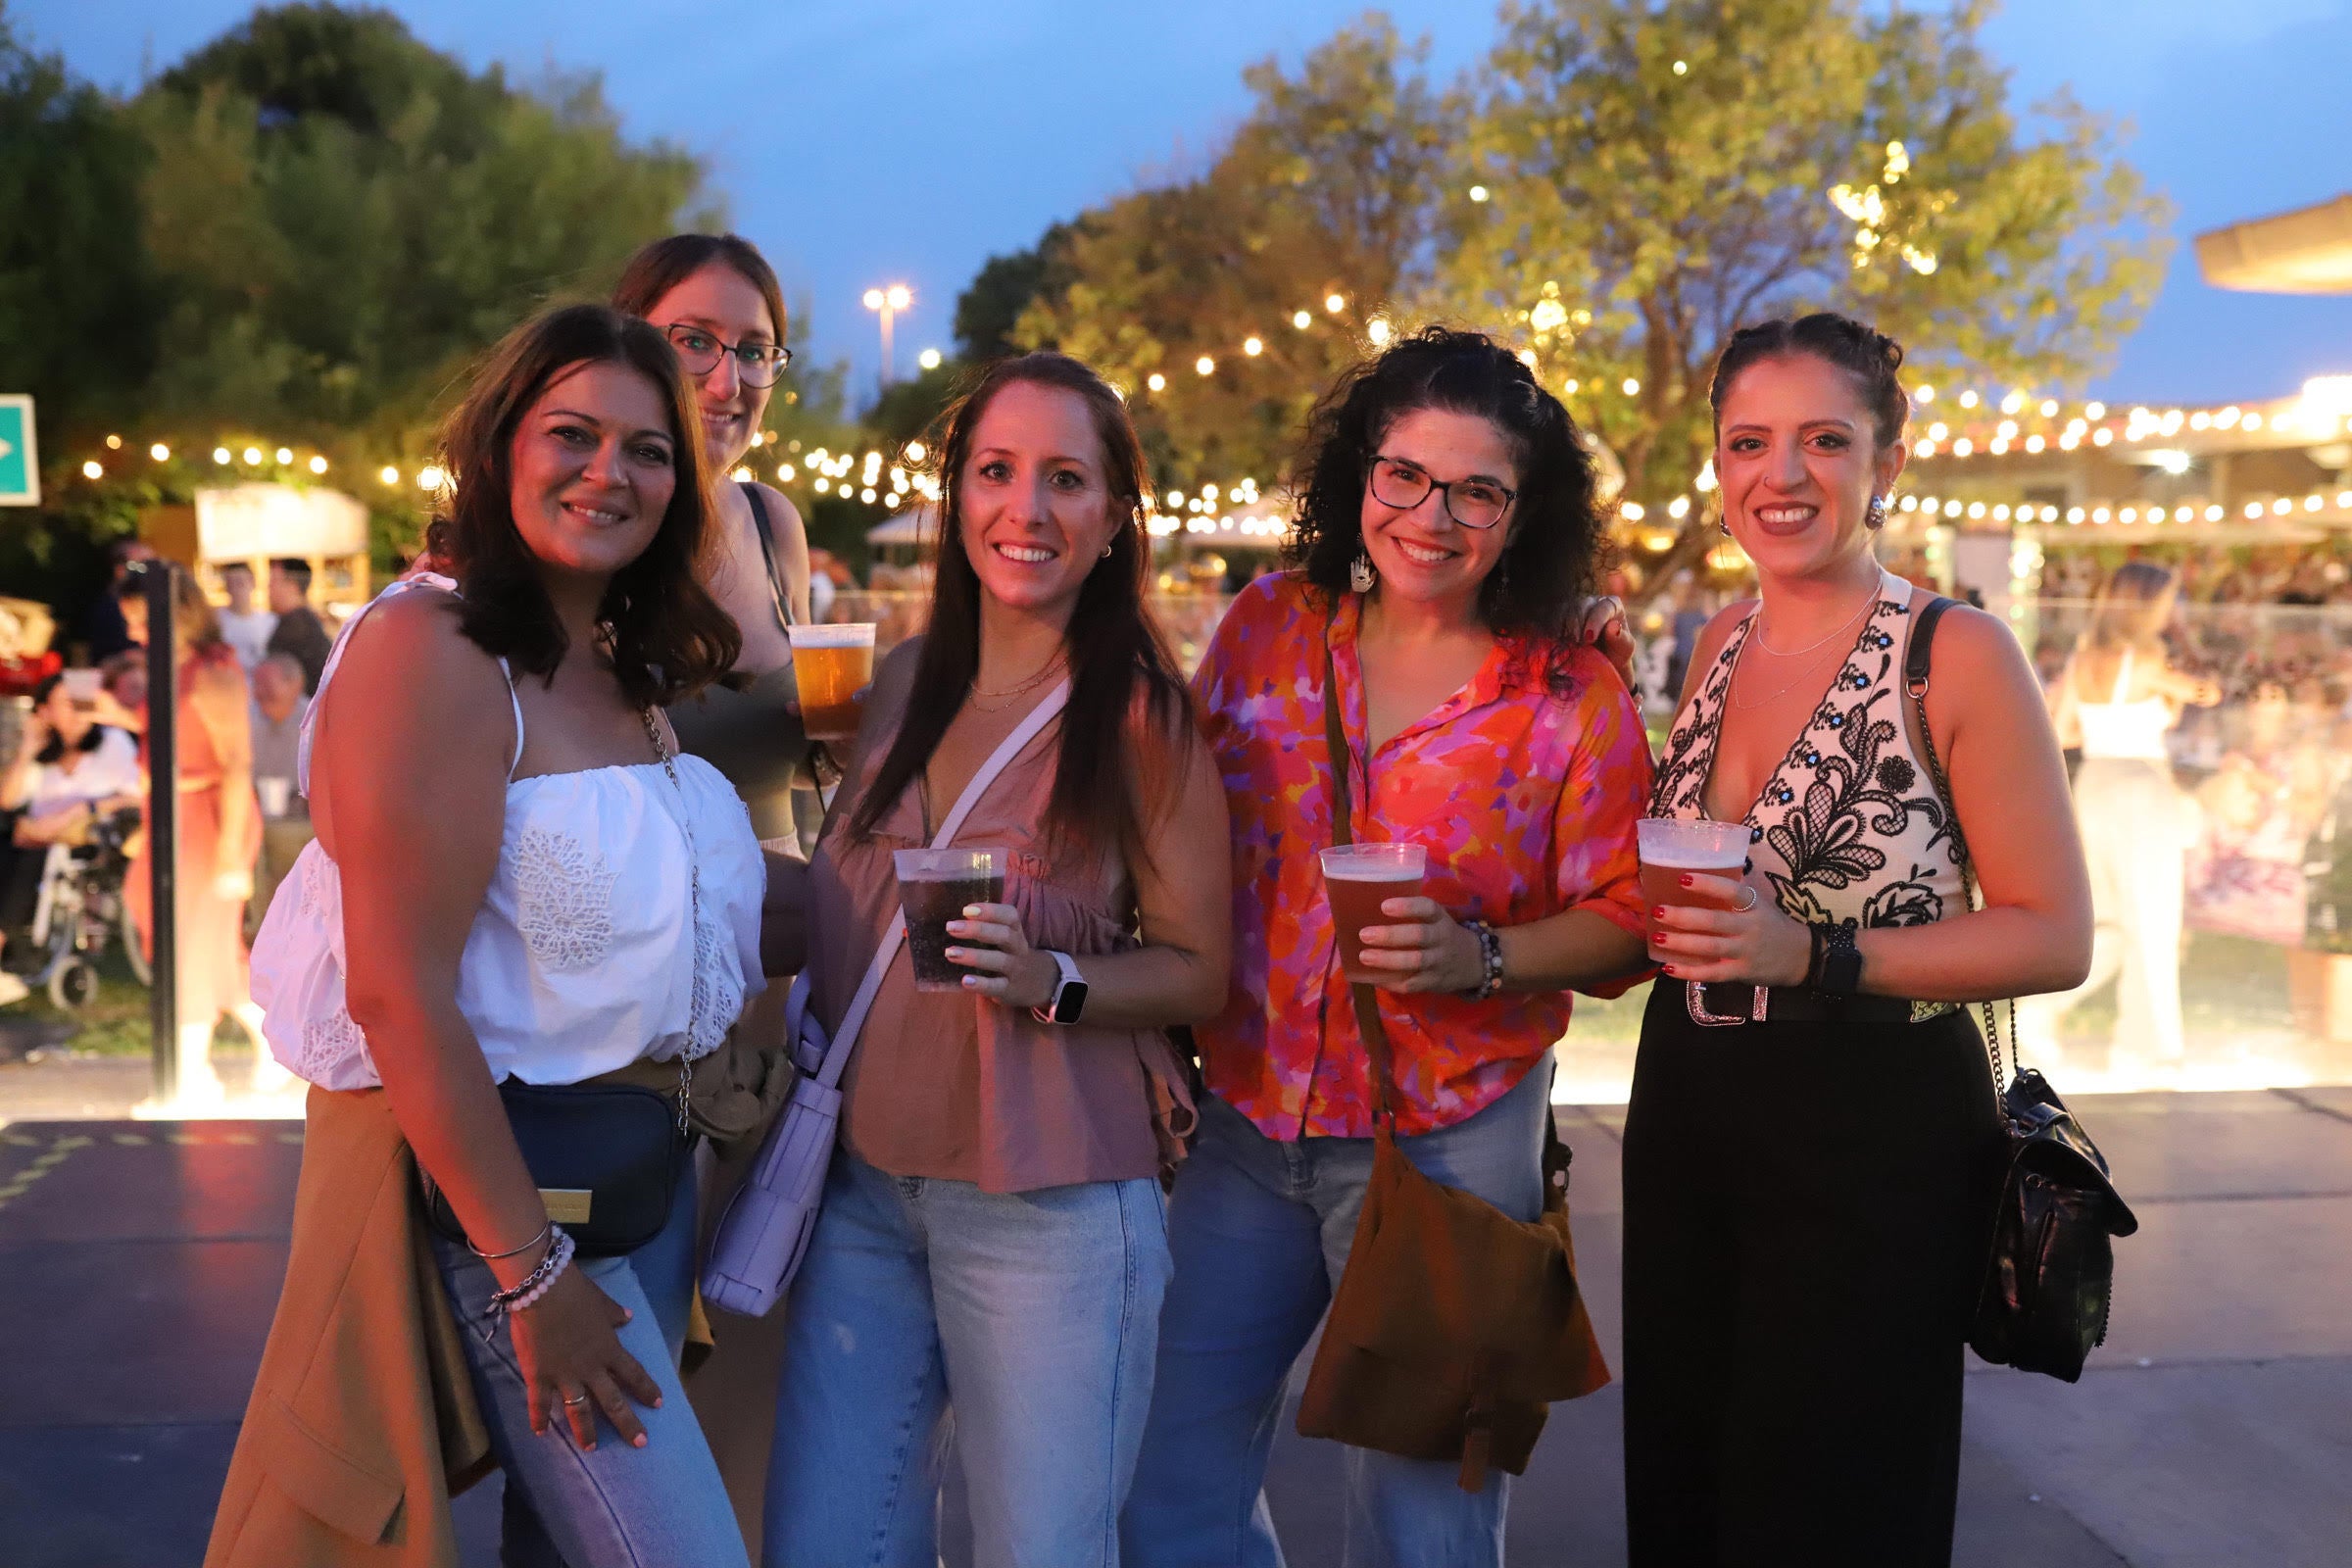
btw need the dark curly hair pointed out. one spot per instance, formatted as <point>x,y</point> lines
<point>666,635</point>
<point>1556,549</point>
<point>1869,355</point>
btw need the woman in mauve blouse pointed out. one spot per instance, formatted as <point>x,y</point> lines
<point>1446,537</point>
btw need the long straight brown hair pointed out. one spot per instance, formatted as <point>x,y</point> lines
<point>1120,667</point>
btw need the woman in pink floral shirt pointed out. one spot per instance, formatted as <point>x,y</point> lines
<point>1447,537</point>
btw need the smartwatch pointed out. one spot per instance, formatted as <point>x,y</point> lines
<point>1837,962</point>
<point>1068,1000</point>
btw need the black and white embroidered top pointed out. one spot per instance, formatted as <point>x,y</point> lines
<point>1849,828</point>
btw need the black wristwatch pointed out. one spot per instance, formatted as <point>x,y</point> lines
<point>1068,1000</point>
<point>1837,962</point>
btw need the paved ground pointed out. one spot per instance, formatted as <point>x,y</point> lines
<point>139,1261</point>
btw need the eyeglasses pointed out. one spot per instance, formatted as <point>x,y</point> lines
<point>1471,503</point>
<point>700,351</point>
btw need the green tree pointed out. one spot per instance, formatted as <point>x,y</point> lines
<point>989,310</point>
<point>1329,190</point>
<point>1654,177</point>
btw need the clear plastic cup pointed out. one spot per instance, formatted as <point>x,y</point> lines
<point>1359,878</point>
<point>1675,846</point>
<point>934,886</point>
<point>832,665</point>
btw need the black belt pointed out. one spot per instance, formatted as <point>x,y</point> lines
<point>1724,1002</point>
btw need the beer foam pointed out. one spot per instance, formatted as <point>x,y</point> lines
<point>1374,871</point>
<point>1698,858</point>
<point>857,634</point>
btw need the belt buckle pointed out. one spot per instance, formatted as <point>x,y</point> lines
<point>1694,998</point>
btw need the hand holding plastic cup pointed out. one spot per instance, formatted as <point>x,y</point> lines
<point>1359,878</point>
<point>1676,847</point>
<point>831,664</point>
<point>934,887</point>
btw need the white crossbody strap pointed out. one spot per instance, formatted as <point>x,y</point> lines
<point>837,1053</point>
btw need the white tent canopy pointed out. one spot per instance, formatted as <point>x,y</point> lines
<point>914,526</point>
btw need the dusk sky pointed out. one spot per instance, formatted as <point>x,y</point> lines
<point>906,140</point>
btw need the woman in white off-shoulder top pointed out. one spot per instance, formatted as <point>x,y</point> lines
<point>515,877</point>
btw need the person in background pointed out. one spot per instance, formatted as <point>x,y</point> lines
<point>827,576</point>
<point>244,628</point>
<point>103,625</point>
<point>69,771</point>
<point>1809,1172</point>
<point>718,302</point>
<point>992,1251</point>
<point>1690,620</point>
<point>278,709</point>
<point>2117,701</point>
<point>299,632</point>
<point>219,836</point>
<point>1447,537</point>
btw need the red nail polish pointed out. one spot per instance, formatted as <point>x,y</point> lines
<point>1658,914</point>
<point>1686,882</point>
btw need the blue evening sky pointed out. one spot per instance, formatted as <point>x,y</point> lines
<point>866,141</point>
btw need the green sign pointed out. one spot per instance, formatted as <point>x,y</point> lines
<point>19,464</point>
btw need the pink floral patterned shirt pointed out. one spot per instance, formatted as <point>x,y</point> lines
<point>1524,785</point>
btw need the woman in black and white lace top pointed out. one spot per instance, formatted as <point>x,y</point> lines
<point>1797,1292</point>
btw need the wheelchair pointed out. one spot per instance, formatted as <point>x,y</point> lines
<point>81,909</point>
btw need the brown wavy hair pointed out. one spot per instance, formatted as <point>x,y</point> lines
<point>666,636</point>
<point>1120,665</point>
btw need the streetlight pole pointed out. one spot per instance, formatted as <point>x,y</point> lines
<point>888,303</point>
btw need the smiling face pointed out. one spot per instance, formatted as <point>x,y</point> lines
<point>1420,552</point>
<point>1798,460</point>
<point>723,303</point>
<point>65,719</point>
<point>592,468</point>
<point>1034,506</point>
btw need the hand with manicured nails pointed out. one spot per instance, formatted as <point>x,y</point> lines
<point>1734,933</point>
<point>1012,971</point>
<point>572,1362</point>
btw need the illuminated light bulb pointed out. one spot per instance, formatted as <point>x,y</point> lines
<point>930,359</point>
<point>91,470</point>
<point>1968,399</point>
<point>2034,443</point>
<point>1951,508</point>
<point>1680,507</point>
<point>1334,303</point>
<point>1175,499</point>
<point>1963,446</point>
<point>2071,440</point>
<point>916,451</point>
<point>2075,513</point>
<point>159,453</point>
<point>741,475</point>
<point>898,298</point>
<point>1925,448</point>
<point>2281,506</point>
<point>2252,421</point>
<point>2050,408</point>
<point>221,455</point>
<point>2006,430</point>
<point>2227,419</point>
<point>2344,499</point>
<point>1204,365</point>
<point>1705,482</point>
<point>2253,509</point>
<point>2102,437</point>
<point>1479,193</point>
<point>866,495</point>
<point>1938,430</point>
<point>1976,509</point>
<point>1548,316</point>
<point>1156,381</point>
<point>1926,394</point>
<point>2095,410</point>
<point>2013,403</point>
<point>388,473</point>
<point>1208,493</point>
<point>1569,387</point>
<point>1253,346</point>
<point>428,478</point>
<point>786,473</point>
<point>1681,68</point>
<point>2100,514</point>
<point>2311,503</point>
<point>2213,513</point>
<point>2129,515</point>
<point>2200,420</point>
<point>1632,511</point>
<point>2000,514</point>
<point>873,298</point>
<point>317,463</point>
<point>1527,356</point>
<point>824,487</point>
<point>1633,387</point>
<point>2000,445</point>
<point>1302,319</point>
<point>253,454</point>
<point>285,454</point>
<point>1378,331</point>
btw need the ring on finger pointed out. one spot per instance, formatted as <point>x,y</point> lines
<point>1742,909</point>
<point>577,1400</point>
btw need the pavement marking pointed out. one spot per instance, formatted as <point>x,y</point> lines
<point>2305,1102</point>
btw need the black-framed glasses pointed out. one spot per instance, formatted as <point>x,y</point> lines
<point>699,349</point>
<point>1473,503</point>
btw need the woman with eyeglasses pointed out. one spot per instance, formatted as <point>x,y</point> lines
<point>716,300</point>
<point>1447,532</point>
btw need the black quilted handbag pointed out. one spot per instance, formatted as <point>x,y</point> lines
<point>2048,1282</point>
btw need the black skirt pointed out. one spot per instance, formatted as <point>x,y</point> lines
<point>1807,1207</point>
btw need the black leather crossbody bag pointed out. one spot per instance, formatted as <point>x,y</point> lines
<point>2050,1280</point>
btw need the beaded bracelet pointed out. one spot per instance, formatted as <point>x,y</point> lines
<point>1490,958</point>
<point>534,1285</point>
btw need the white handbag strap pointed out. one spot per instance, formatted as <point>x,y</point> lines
<point>837,1053</point>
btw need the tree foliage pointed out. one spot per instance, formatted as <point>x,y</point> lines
<point>1328,191</point>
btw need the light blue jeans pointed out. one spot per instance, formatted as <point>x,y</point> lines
<point>1025,1319</point>
<point>614,1506</point>
<point>1260,1230</point>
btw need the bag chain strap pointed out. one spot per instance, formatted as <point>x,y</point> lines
<point>1368,1022</point>
<point>1917,686</point>
<point>694,912</point>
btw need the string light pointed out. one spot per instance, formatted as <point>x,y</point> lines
<point>389,474</point>
<point>1253,346</point>
<point>1302,319</point>
<point>253,455</point>
<point>1156,381</point>
<point>1334,303</point>
<point>91,470</point>
<point>318,464</point>
<point>285,454</point>
<point>220,455</point>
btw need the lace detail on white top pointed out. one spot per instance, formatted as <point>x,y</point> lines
<point>564,900</point>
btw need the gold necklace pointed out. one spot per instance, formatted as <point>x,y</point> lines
<point>988,701</point>
<point>1794,653</point>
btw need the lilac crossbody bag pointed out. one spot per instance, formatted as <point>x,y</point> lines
<point>764,1232</point>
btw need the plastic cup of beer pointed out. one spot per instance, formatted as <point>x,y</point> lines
<point>934,886</point>
<point>832,665</point>
<point>1359,878</point>
<point>1676,847</point>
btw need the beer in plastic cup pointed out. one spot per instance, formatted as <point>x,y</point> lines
<point>278,795</point>
<point>934,886</point>
<point>1675,846</point>
<point>831,664</point>
<point>1359,878</point>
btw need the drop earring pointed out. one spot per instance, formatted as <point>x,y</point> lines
<point>1361,575</point>
<point>1875,518</point>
